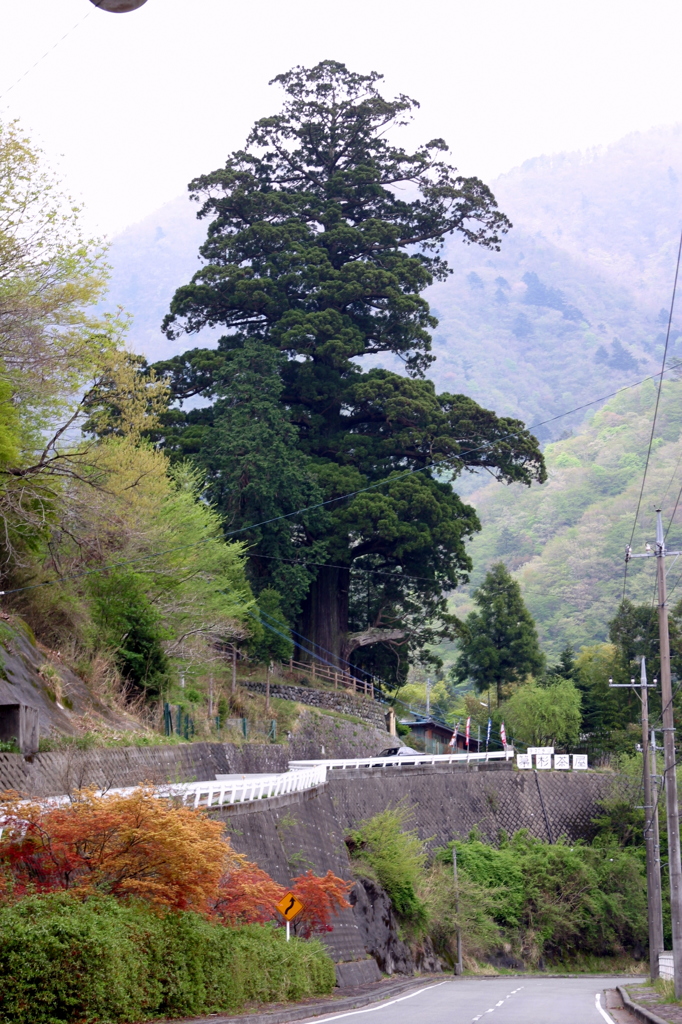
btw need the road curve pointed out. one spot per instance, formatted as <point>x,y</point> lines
<point>507,1000</point>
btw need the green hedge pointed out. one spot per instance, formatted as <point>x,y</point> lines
<point>66,960</point>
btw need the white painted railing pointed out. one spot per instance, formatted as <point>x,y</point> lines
<point>666,966</point>
<point>234,789</point>
<point>406,761</point>
<point>221,792</point>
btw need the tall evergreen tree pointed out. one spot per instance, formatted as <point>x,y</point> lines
<point>499,642</point>
<point>322,237</point>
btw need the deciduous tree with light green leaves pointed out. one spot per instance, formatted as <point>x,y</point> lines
<point>544,716</point>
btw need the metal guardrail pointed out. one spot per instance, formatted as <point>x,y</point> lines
<point>406,761</point>
<point>234,789</point>
<point>245,788</point>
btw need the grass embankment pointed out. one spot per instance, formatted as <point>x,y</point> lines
<point>62,959</point>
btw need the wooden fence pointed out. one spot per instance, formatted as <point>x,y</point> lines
<point>337,677</point>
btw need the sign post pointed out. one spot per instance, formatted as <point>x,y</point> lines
<point>289,907</point>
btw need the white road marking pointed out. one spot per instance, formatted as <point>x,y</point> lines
<point>605,1015</point>
<point>380,1006</point>
<point>501,1002</point>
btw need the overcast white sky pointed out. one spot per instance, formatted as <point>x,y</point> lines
<point>131,106</point>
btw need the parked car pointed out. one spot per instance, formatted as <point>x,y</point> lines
<point>397,752</point>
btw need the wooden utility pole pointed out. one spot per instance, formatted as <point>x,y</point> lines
<point>670,774</point>
<point>673,814</point>
<point>459,966</point>
<point>653,860</point>
<point>234,669</point>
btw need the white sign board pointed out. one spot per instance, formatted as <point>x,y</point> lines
<point>540,750</point>
<point>543,761</point>
<point>562,761</point>
<point>524,761</point>
<point>579,762</point>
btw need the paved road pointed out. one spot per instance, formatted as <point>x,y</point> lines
<point>512,1000</point>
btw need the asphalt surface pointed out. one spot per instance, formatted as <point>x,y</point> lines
<point>511,1000</point>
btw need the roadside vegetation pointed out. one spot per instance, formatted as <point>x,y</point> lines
<point>132,907</point>
<point>522,903</point>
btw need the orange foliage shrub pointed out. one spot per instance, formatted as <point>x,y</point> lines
<point>248,896</point>
<point>137,845</point>
<point>145,846</point>
<point>321,898</point>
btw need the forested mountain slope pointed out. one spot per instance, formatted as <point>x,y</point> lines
<point>566,540</point>
<point>570,306</point>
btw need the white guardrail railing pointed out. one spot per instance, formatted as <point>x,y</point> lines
<point>235,789</point>
<point>223,791</point>
<point>406,761</point>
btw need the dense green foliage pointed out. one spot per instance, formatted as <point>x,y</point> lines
<point>80,490</point>
<point>537,901</point>
<point>323,237</point>
<point>65,960</point>
<point>128,624</point>
<point>544,716</point>
<point>498,645</point>
<point>271,637</point>
<point>560,901</point>
<point>395,856</point>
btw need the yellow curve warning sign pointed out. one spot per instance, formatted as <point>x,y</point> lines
<point>290,906</point>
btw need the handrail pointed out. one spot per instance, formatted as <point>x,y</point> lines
<point>406,761</point>
<point>335,676</point>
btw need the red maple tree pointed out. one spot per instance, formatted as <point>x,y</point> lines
<point>322,898</point>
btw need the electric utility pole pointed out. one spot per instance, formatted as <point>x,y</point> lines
<point>670,774</point>
<point>653,859</point>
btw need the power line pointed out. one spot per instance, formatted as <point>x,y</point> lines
<point>350,494</point>
<point>351,568</point>
<point>47,53</point>
<point>658,399</point>
<point>314,644</point>
<point>470,451</point>
<point>396,700</point>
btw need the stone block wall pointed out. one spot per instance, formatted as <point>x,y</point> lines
<point>364,708</point>
<point>289,835</point>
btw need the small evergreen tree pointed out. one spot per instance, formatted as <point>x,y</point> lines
<point>499,642</point>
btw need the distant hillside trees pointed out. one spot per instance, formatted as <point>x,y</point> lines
<point>322,237</point>
<point>498,645</point>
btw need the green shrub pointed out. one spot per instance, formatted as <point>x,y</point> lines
<point>395,855</point>
<point>64,960</point>
<point>559,901</point>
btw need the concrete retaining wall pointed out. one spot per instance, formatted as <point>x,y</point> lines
<point>317,735</point>
<point>449,804</point>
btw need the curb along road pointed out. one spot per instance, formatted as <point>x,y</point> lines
<point>641,1012</point>
<point>375,993</point>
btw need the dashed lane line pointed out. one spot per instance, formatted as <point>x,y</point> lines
<point>502,1002</point>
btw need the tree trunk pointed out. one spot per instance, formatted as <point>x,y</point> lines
<point>324,617</point>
